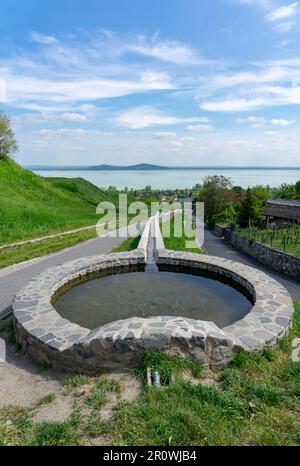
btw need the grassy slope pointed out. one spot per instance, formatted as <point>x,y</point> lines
<point>15,254</point>
<point>32,206</point>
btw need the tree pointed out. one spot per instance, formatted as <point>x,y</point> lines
<point>214,193</point>
<point>297,189</point>
<point>249,209</point>
<point>8,144</point>
<point>228,216</point>
<point>286,191</point>
<point>238,189</point>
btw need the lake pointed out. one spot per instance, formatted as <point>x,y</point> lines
<point>172,179</point>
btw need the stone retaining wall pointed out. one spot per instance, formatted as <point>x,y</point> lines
<point>276,260</point>
<point>219,230</point>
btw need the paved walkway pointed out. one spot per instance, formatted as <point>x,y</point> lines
<point>218,247</point>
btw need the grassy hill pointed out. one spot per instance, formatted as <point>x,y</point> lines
<point>32,206</point>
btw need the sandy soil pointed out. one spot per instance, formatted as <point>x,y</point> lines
<point>24,383</point>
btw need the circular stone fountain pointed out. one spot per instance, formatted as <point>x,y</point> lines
<point>47,336</point>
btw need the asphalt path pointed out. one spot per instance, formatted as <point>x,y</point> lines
<point>14,277</point>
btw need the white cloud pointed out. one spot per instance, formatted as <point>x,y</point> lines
<point>205,128</point>
<point>285,26</point>
<point>29,88</point>
<point>261,122</point>
<point>175,143</point>
<point>43,39</point>
<point>164,135</point>
<point>72,132</point>
<point>147,116</point>
<point>283,12</point>
<point>268,75</point>
<point>282,122</point>
<point>279,15</point>
<point>144,117</point>
<point>234,105</point>
<point>197,120</point>
<point>187,139</point>
<point>257,97</point>
<point>76,117</point>
<point>44,117</point>
<point>256,122</point>
<point>165,50</point>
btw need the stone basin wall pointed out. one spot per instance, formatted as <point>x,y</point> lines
<point>47,337</point>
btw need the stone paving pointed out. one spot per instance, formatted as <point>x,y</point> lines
<point>47,337</point>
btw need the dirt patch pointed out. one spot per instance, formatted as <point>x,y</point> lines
<point>130,389</point>
<point>27,384</point>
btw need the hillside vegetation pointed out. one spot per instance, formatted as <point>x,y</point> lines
<point>33,206</point>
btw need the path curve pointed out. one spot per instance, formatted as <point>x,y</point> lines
<point>14,277</point>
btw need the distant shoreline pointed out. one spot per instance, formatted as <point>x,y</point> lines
<point>151,168</point>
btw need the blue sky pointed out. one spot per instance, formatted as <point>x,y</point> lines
<point>162,81</point>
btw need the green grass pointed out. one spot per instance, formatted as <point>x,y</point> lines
<point>16,254</point>
<point>46,399</point>
<point>98,395</point>
<point>256,403</point>
<point>128,245</point>
<point>18,428</point>
<point>167,366</point>
<point>32,206</point>
<point>78,380</point>
<point>174,243</point>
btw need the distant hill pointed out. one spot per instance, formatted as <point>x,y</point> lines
<point>33,206</point>
<point>139,166</point>
<point>150,167</point>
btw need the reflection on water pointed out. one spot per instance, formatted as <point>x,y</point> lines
<point>116,297</point>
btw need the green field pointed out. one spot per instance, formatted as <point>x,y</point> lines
<point>174,243</point>
<point>15,254</point>
<point>32,206</point>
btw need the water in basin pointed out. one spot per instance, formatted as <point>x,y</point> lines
<point>120,296</point>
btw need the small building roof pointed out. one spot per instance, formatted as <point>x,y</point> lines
<point>283,208</point>
<point>284,202</point>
